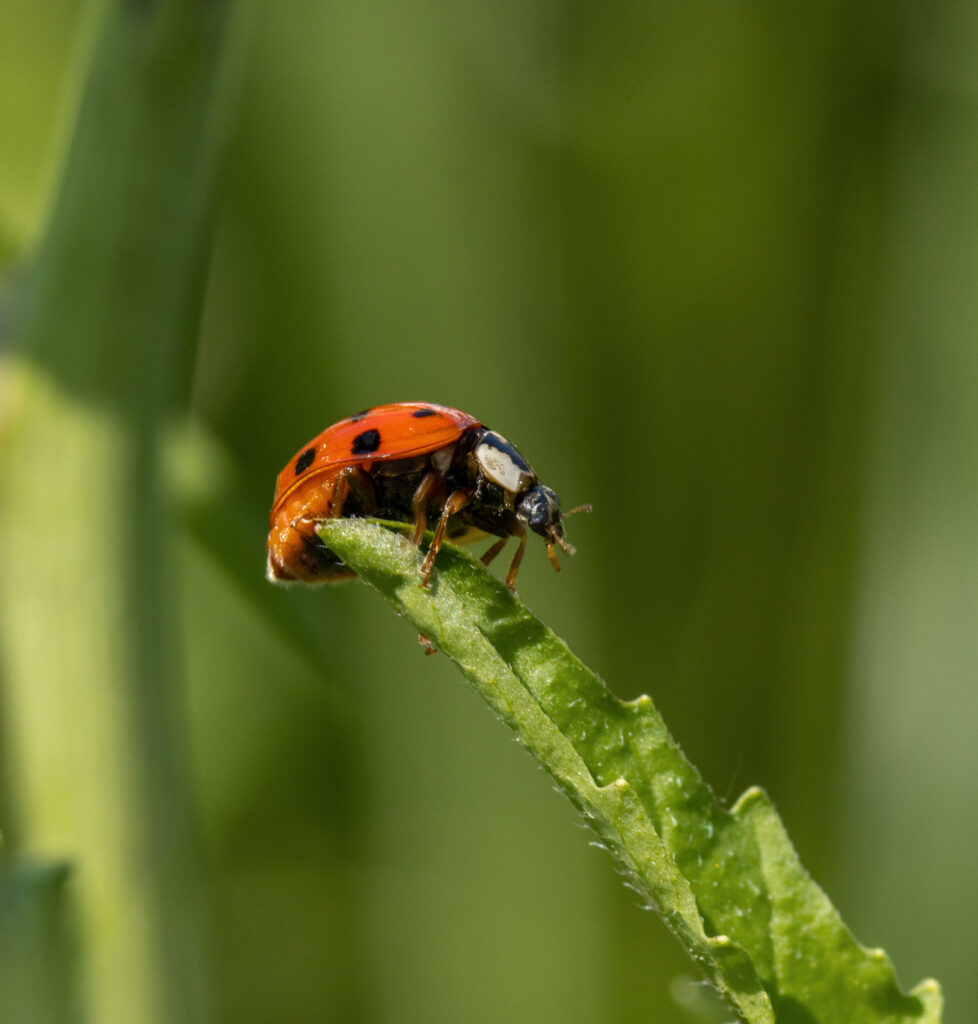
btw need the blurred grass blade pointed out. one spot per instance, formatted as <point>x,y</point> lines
<point>35,946</point>
<point>93,716</point>
<point>727,883</point>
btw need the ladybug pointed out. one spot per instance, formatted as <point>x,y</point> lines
<point>412,462</point>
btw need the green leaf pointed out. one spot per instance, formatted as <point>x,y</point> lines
<point>728,883</point>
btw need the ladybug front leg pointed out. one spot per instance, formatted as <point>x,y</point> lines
<point>515,564</point>
<point>457,500</point>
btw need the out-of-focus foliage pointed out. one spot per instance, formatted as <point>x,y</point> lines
<point>711,266</point>
<point>36,951</point>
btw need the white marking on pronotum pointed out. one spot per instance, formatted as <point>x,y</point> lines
<point>500,468</point>
<point>442,459</point>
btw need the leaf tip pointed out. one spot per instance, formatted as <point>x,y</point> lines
<point>749,798</point>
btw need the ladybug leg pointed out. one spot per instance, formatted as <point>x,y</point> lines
<point>311,554</point>
<point>356,480</point>
<point>419,504</point>
<point>338,498</point>
<point>515,564</point>
<point>457,500</point>
<point>494,550</point>
<point>362,485</point>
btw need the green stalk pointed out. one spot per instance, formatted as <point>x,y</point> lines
<point>728,883</point>
<point>95,755</point>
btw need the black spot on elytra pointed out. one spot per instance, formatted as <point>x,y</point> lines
<point>357,416</point>
<point>304,461</point>
<point>419,414</point>
<point>365,443</point>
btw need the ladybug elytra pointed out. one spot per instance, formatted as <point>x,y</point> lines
<point>410,462</point>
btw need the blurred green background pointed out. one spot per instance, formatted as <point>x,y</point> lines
<point>713,267</point>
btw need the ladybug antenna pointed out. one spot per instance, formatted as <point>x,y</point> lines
<point>552,556</point>
<point>576,508</point>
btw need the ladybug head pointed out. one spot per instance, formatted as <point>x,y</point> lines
<point>539,509</point>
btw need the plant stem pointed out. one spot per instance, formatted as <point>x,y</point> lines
<point>94,715</point>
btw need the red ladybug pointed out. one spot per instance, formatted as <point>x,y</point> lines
<point>410,461</point>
